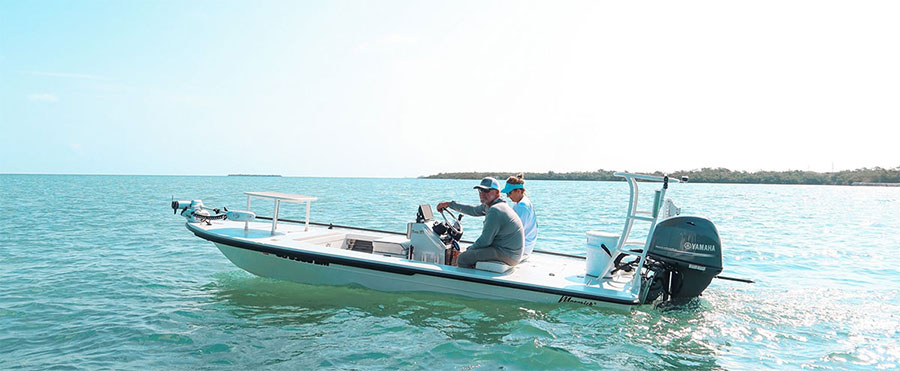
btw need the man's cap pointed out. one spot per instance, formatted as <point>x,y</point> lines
<point>511,187</point>
<point>488,184</point>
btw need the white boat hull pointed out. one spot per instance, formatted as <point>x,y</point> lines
<point>318,273</point>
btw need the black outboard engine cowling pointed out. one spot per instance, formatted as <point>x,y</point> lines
<point>687,254</point>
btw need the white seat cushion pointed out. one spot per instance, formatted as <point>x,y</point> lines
<point>492,266</point>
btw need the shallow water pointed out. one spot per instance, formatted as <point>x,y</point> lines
<point>96,272</point>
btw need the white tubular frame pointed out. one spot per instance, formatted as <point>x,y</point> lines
<point>636,215</point>
<point>278,197</point>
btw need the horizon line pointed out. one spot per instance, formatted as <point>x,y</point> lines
<point>215,175</point>
<point>451,172</point>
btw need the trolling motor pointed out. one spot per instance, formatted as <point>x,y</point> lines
<point>194,211</point>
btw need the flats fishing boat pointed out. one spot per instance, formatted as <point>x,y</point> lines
<point>677,260</point>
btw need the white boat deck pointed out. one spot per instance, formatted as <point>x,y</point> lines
<point>540,270</point>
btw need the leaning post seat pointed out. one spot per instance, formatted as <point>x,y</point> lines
<point>493,266</point>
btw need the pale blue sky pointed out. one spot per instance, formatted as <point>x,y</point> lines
<point>409,88</point>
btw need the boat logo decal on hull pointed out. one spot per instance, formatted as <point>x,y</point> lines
<point>569,299</point>
<point>303,259</point>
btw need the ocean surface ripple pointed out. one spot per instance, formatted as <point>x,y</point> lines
<point>96,272</point>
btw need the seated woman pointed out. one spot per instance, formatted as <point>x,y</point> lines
<point>515,190</point>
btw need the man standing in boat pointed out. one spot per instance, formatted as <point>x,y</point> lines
<point>502,237</point>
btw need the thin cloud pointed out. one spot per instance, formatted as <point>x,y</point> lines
<point>43,97</point>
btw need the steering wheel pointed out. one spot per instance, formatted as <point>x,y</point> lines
<point>455,227</point>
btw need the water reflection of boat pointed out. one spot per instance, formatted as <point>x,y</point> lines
<point>678,259</point>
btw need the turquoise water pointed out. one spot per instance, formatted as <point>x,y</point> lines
<point>96,272</point>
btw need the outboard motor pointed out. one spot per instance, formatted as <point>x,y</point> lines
<point>685,255</point>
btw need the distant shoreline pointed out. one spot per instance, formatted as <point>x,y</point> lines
<point>859,177</point>
<point>866,184</point>
<point>257,175</point>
